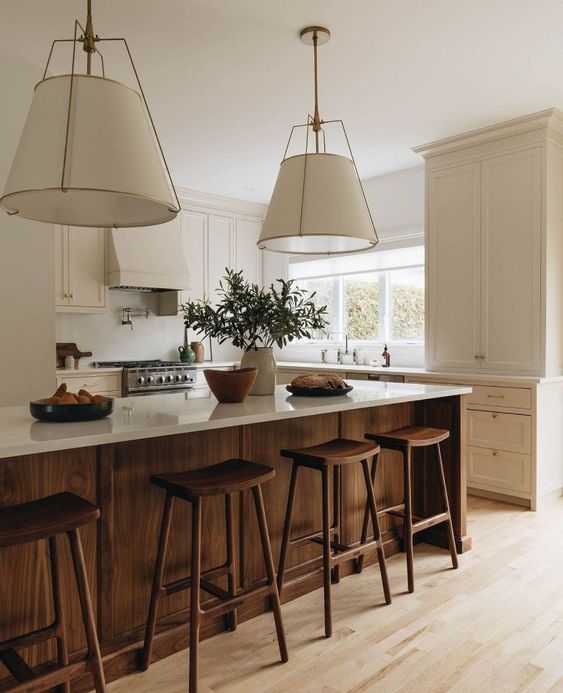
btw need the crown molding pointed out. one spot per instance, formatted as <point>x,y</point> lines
<point>550,121</point>
<point>195,199</point>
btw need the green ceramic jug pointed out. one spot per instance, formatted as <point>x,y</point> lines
<point>187,354</point>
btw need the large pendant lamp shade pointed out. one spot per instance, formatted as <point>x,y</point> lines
<point>89,156</point>
<point>318,206</point>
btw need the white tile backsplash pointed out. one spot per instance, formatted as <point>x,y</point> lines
<point>154,337</point>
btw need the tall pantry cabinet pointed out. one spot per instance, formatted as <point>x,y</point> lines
<point>494,224</point>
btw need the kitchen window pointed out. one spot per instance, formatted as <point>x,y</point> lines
<point>375,298</point>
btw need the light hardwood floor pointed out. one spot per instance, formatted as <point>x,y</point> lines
<point>496,624</point>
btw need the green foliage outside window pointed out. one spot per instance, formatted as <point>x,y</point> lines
<point>361,309</point>
<point>407,304</point>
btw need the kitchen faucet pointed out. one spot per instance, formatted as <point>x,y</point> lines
<point>338,352</point>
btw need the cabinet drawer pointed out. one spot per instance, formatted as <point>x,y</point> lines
<point>510,397</point>
<point>499,470</point>
<point>509,432</point>
<point>97,384</point>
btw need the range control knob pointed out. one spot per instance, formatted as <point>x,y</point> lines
<point>160,379</point>
<point>169,378</point>
<point>140,380</point>
<point>186,378</point>
<point>150,379</point>
<point>178,378</point>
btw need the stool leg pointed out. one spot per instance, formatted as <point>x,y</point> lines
<point>157,581</point>
<point>326,552</point>
<point>287,526</point>
<point>231,560</point>
<point>444,491</point>
<point>376,531</point>
<point>365,523</point>
<point>94,656</point>
<point>195,609</point>
<point>59,607</point>
<point>270,570</point>
<point>407,521</point>
<point>337,516</point>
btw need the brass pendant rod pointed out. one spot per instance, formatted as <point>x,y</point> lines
<point>89,44</point>
<point>316,117</point>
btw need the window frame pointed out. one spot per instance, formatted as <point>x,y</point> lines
<point>385,310</point>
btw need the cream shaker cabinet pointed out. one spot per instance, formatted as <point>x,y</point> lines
<point>80,261</point>
<point>494,204</point>
<point>215,239</point>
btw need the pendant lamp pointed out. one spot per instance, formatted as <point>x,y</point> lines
<point>89,154</point>
<point>318,206</point>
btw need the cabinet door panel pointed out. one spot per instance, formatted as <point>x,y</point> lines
<point>248,257</point>
<point>86,251</point>
<point>219,251</point>
<point>194,230</point>
<point>453,231</point>
<point>61,266</point>
<point>511,260</point>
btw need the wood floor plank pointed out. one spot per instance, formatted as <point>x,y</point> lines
<point>496,624</point>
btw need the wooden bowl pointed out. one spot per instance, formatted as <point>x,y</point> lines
<point>230,386</point>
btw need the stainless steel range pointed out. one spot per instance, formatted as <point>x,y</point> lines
<point>153,377</point>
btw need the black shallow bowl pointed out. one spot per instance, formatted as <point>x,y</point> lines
<point>63,413</point>
<point>318,391</point>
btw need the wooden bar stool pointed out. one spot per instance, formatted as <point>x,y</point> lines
<point>49,518</point>
<point>333,454</point>
<point>225,478</point>
<point>404,440</point>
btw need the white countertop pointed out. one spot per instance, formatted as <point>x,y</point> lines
<point>94,371</point>
<point>87,370</point>
<point>444,376</point>
<point>161,415</point>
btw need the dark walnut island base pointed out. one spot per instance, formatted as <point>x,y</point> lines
<point>109,463</point>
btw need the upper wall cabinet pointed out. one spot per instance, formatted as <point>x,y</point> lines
<point>494,213</point>
<point>80,269</point>
<point>219,233</point>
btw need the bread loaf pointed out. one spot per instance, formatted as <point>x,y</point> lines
<point>319,380</point>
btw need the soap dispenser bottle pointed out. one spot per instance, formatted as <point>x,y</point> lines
<point>386,356</point>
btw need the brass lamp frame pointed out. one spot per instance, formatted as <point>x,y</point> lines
<point>89,41</point>
<point>315,36</point>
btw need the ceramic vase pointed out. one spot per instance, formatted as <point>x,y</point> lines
<point>263,359</point>
<point>199,351</point>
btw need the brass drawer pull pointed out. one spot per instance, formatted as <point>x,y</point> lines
<point>496,396</point>
<point>495,453</point>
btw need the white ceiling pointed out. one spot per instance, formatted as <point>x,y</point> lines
<point>226,79</point>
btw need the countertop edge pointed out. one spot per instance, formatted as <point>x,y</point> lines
<point>97,439</point>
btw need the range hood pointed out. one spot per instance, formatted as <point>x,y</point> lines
<point>150,259</point>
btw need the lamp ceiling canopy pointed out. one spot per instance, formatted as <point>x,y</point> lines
<point>318,206</point>
<point>89,154</point>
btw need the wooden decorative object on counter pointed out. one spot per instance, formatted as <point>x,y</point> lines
<point>230,386</point>
<point>69,349</point>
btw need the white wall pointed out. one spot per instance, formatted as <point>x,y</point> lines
<point>156,337</point>
<point>396,202</point>
<point>27,322</point>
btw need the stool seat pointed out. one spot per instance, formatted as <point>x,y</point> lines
<point>43,518</point>
<point>225,477</point>
<point>410,436</point>
<point>334,452</point>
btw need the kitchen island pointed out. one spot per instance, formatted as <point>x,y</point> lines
<point>110,462</point>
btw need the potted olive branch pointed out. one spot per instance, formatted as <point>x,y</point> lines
<point>254,319</point>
